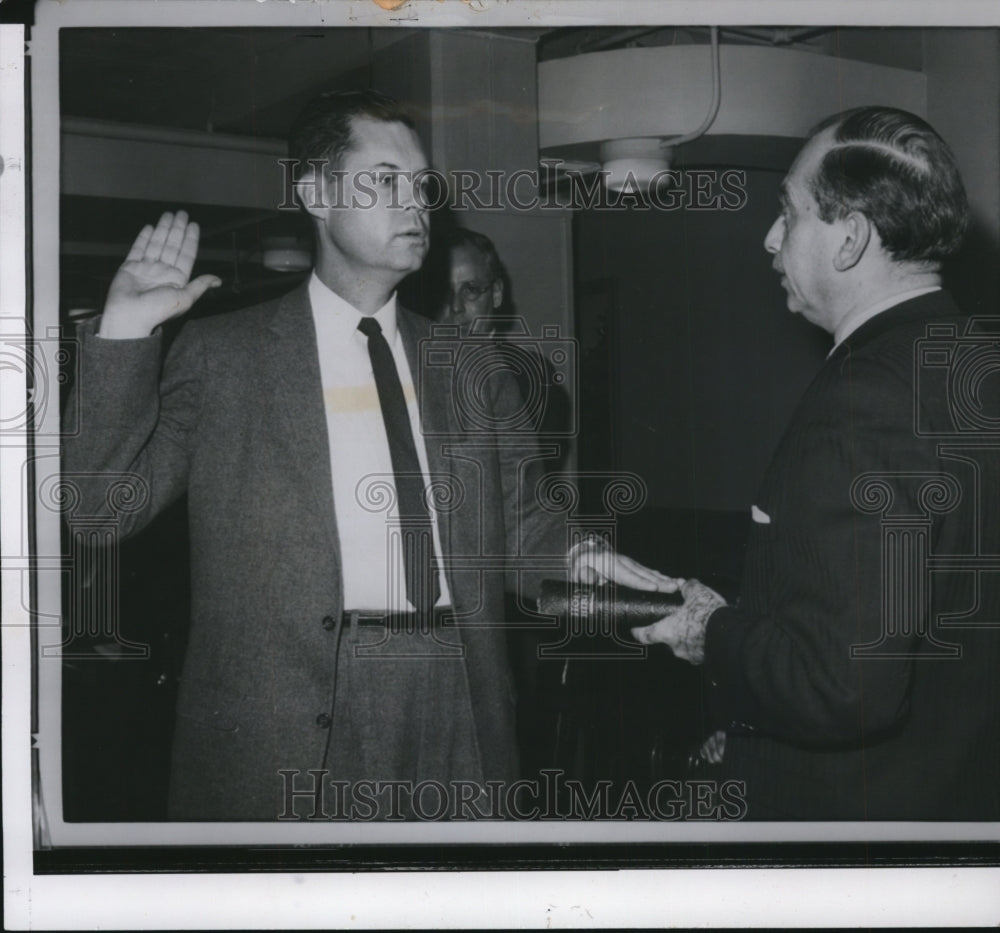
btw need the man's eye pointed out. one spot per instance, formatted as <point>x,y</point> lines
<point>388,180</point>
<point>472,292</point>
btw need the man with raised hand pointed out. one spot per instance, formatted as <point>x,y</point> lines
<point>349,544</point>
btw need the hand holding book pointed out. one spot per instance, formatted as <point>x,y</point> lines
<point>676,619</point>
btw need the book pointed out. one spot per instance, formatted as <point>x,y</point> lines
<point>605,607</point>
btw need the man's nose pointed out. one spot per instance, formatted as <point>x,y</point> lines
<point>410,193</point>
<point>772,242</point>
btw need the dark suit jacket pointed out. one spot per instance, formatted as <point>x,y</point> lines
<point>908,728</point>
<point>237,421</point>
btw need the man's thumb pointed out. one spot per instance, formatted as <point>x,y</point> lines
<point>197,287</point>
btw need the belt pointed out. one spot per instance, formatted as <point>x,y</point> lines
<point>398,621</point>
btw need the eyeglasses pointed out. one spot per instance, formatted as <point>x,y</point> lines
<point>469,291</point>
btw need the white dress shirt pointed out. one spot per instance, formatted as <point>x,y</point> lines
<point>360,461</point>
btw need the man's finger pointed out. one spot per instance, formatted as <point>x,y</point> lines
<point>587,574</point>
<point>175,237</point>
<point>154,248</point>
<point>648,634</point>
<point>600,565</point>
<point>714,748</point>
<point>643,571</point>
<point>188,250</point>
<point>631,573</point>
<point>624,576</point>
<point>641,634</point>
<point>138,249</point>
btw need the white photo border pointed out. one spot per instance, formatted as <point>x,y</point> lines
<point>66,900</point>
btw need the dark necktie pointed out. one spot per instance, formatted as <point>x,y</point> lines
<point>422,588</point>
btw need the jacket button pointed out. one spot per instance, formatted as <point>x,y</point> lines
<point>324,721</point>
<point>329,623</point>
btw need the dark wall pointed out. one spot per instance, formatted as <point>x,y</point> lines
<point>707,362</point>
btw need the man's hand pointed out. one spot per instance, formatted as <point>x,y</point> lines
<point>683,630</point>
<point>713,748</point>
<point>152,285</point>
<point>594,562</point>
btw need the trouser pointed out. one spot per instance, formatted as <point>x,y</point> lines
<point>402,713</point>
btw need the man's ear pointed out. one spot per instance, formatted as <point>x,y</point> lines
<point>312,192</point>
<point>857,233</point>
<point>497,294</point>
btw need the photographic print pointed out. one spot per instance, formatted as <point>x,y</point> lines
<point>503,435</point>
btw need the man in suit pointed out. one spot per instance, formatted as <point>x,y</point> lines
<point>478,299</point>
<point>344,628</point>
<point>855,678</point>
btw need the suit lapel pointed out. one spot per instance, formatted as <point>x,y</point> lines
<point>293,364</point>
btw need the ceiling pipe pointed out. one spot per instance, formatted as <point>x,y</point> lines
<point>638,162</point>
<point>713,108</point>
<point>199,139</point>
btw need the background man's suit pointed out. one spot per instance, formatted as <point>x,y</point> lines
<point>238,422</point>
<point>815,734</point>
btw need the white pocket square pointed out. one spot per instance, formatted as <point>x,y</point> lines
<point>759,516</point>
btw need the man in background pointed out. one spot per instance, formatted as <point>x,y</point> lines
<point>476,279</point>
<point>850,682</point>
<point>478,301</point>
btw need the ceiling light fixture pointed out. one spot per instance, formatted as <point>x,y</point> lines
<point>759,105</point>
<point>285,254</point>
<point>632,165</point>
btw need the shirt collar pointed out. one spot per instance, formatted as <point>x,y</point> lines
<point>341,317</point>
<point>855,319</point>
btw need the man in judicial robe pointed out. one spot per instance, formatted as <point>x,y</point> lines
<point>855,678</point>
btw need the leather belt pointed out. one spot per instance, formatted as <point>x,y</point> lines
<point>398,621</point>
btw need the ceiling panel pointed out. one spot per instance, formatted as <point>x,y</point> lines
<point>229,80</point>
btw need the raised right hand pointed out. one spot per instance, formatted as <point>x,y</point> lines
<point>152,285</point>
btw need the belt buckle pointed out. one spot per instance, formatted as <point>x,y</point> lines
<point>412,623</point>
<point>409,635</point>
